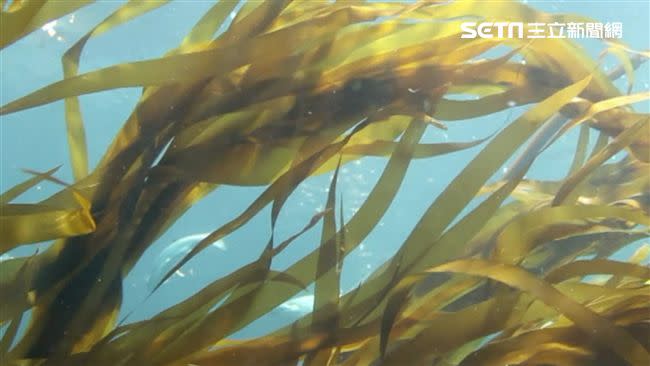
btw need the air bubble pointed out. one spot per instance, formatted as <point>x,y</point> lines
<point>49,28</point>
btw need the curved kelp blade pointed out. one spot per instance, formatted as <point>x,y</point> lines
<point>270,296</point>
<point>608,335</point>
<point>23,187</point>
<point>463,188</point>
<point>328,268</point>
<point>280,188</point>
<point>597,266</point>
<point>33,223</point>
<point>24,17</point>
<point>620,142</point>
<point>70,60</point>
<point>521,235</point>
<point>180,68</point>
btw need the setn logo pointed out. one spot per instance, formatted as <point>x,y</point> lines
<point>485,29</point>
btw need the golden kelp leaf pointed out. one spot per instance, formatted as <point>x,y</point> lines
<point>9,335</point>
<point>328,268</point>
<point>564,345</point>
<point>619,143</point>
<point>599,109</point>
<point>70,60</point>
<point>19,189</point>
<point>237,296</point>
<point>209,23</point>
<point>583,267</point>
<point>171,69</point>
<point>626,63</point>
<point>237,305</point>
<point>15,286</point>
<point>381,129</point>
<point>439,332</point>
<point>555,124</point>
<point>325,314</point>
<point>463,188</point>
<point>271,295</point>
<point>396,297</point>
<point>581,149</point>
<point>640,254</point>
<point>132,337</point>
<point>33,223</point>
<point>23,17</point>
<point>521,235</point>
<point>385,148</point>
<point>600,329</point>
<point>173,343</point>
<point>461,232</point>
<point>176,200</point>
<point>182,68</point>
<point>521,346</point>
<point>314,220</point>
<point>453,199</point>
<point>504,214</point>
<point>280,188</point>
<point>174,320</point>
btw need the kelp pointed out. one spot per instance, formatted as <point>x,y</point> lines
<point>272,93</point>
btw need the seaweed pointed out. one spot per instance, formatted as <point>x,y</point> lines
<point>286,90</point>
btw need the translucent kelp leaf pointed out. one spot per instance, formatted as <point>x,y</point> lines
<point>19,189</point>
<point>174,252</point>
<point>74,122</point>
<point>600,329</point>
<point>522,234</point>
<point>620,142</point>
<point>24,17</point>
<point>32,223</point>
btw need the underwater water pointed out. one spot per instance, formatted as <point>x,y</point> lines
<point>37,139</point>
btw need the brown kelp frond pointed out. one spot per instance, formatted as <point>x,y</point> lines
<point>23,17</point>
<point>498,270</point>
<point>54,221</point>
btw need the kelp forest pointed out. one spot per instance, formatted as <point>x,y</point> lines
<point>269,94</point>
